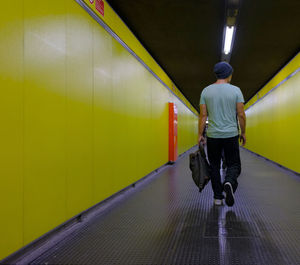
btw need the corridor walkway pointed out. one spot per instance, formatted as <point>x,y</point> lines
<point>168,221</point>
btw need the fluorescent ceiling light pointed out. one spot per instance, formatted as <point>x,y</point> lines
<point>228,39</point>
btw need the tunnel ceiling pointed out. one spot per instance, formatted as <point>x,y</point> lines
<point>185,38</point>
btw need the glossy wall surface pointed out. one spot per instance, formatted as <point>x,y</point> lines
<point>273,122</point>
<point>80,118</point>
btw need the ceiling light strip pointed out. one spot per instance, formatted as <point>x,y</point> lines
<point>228,39</point>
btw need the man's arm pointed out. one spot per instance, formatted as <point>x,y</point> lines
<point>202,122</point>
<point>242,121</point>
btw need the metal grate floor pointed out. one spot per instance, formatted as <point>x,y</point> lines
<point>169,222</point>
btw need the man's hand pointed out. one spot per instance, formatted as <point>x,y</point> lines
<point>201,139</point>
<point>202,123</point>
<point>243,139</point>
<point>242,121</point>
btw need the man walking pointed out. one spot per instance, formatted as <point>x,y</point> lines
<point>223,104</point>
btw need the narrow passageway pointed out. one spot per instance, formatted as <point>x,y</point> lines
<point>169,222</point>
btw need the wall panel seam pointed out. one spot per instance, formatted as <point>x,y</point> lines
<point>23,125</point>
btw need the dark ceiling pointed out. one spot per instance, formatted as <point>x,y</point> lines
<point>185,38</point>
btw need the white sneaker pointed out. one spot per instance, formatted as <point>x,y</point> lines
<point>218,202</point>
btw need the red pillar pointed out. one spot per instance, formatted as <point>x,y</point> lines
<point>172,132</point>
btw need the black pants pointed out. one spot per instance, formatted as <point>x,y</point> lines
<point>215,146</point>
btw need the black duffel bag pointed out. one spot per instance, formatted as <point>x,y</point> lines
<point>200,168</point>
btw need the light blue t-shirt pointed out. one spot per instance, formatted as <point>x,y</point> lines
<point>220,101</point>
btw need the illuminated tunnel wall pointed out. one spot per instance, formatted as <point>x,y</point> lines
<point>81,118</point>
<point>273,118</point>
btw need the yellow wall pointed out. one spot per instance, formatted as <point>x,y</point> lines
<point>273,121</point>
<point>116,24</point>
<point>73,102</point>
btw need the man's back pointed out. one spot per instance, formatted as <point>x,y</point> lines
<point>221,100</point>
<point>223,105</point>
